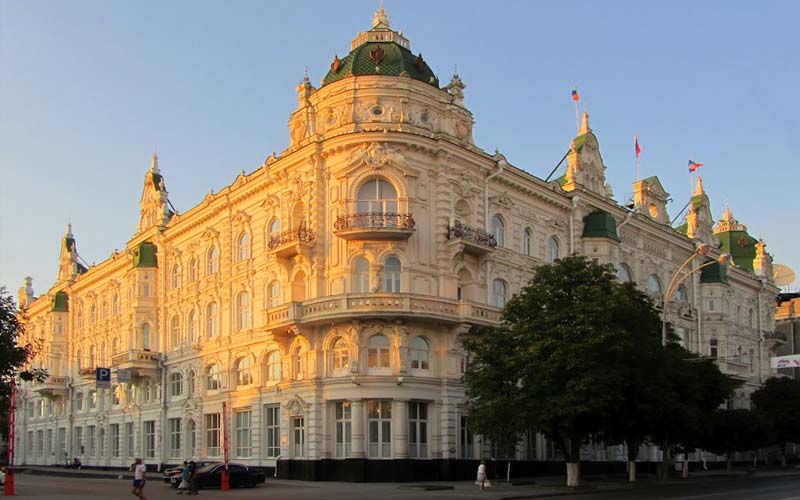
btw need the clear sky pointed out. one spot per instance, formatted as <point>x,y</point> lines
<point>89,89</point>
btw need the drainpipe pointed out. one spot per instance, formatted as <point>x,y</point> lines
<point>500,161</point>
<point>575,201</point>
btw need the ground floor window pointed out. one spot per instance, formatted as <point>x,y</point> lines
<point>213,434</point>
<point>150,439</point>
<point>77,441</point>
<point>343,429</point>
<point>129,439</point>
<point>191,438</point>
<point>379,415</point>
<point>417,430</point>
<point>465,438</point>
<point>175,438</point>
<point>90,440</point>
<point>242,421</point>
<point>115,440</point>
<point>272,430</point>
<point>299,433</point>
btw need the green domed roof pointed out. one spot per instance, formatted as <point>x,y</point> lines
<point>381,51</point>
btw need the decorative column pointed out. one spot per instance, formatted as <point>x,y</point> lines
<point>357,428</point>
<point>400,428</point>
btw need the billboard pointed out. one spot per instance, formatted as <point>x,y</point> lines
<point>792,361</point>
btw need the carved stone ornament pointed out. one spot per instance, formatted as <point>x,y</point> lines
<point>376,156</point>
<point>503,200</point>
<point>377,55</point>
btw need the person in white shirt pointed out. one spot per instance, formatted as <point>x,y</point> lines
<point>480,479</point>
<point>139,476</point>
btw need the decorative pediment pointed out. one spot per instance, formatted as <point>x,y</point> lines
<point>296,406</point>
<point>376,156</point>
<point>502,200</point>
<point>240,218</point>
<point>210,234</point>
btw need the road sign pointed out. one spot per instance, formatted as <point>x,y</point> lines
<point>123,375</point>
<point>792,361</point>
<point>103,376</point>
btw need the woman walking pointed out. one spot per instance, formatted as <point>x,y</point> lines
<point>480,479</point>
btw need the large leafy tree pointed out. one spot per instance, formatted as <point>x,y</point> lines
<point>559,362</point>
<point>734,430</point>
<point>778,401</point>
<point>13,356</point>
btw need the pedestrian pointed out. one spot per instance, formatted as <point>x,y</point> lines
<point>193,478</point>
<point>184,478</point>
<point>139,478</point>
<point>480,479</point>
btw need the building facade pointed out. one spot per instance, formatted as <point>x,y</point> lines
<point>315,308</point>
<point>787,326</point>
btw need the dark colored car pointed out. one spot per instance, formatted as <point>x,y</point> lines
<point>210,476</point>
<point>173,474</point>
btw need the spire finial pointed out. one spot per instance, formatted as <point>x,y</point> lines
<point>584,128</point>
<point>380,19</point>
<point>727,214</point>
<point>68,234</point>
<point>698,190</point>
<point>154,163</point>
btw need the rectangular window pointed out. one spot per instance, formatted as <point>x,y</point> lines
<point>418,430</point>
<point>175,438</point>
<point>272,430</point>
<point>62,443</point>
<point>40,443</point>
<point>92,400</point>
<point>465,439</point>
<point>242,422</point>
<point>299,433</point>
<point>29,443</point>
<point>90,440</point>
<point>115,440</point>
<point>78,441</point>
<point>343,429</point>
<point>129,439</point>
<point>213,434</point>
<point>49,449</point>
<point>379,415</point>
<point>101,442</point>
<point>150,439</point>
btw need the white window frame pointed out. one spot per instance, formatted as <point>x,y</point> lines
<point>175,438</point>
<point>298,436</point>
<point>213,427</point>
<point>272,431</point>
<point>379,354</point>
<point>418,429</point>
<point>343,423</point>
<point>243,421</point>
<point>379,428</point>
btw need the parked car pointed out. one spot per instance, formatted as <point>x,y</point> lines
<point>173,474</point>
<point>210,476</point>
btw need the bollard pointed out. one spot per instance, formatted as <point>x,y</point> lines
<point>9,488</point>
<point>226,480</point>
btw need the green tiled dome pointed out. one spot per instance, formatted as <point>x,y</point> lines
<point>387,59</point>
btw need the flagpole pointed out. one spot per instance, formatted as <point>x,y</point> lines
<point>577,118</point>
<point>636,153</point>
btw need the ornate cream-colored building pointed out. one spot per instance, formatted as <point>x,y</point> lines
<point>323,297</point>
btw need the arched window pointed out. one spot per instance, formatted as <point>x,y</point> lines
<point>553,249</point>
<point>273,230</point>
<point>115,305</point>
<point>680,295</point>
<point>79,401</point>
<point>193,270</point>
<point>419,354</point>
<point>146,337</point>
<point>213,381</point>
<point>101,355</point>
<point>145,394</point>
<point>244,372</point>
<point>174,332</point>
<point>92,358</point>
<point>242,311</point>
<point>92,314</point>
<point>191,327</point>
<point>212,261</point>
<point>527,237</point>
<point>79,357</point>
<point>274,294</point>
<point>751,359</point>
<point>391,274</point>
<point>624,273</point>
<point>243,247</point>
<point>104,309</point>
<point>738,314</point>
<point>176,384</point>
<point>212,327</point>
<point>299,287</point>
<point>750,317</point>
<point>191,388</point>
<point>361,275</point>
<point>499,230</point>
<point>377,196</point>
<point>175,277</point>
<point>274,366</point>
<point>499,293</point>
<point>341,355</point>
<point>653,284</point>
<point>378,354</point>
<point>299,363</point>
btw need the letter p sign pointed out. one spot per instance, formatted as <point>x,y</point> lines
<point>103,378</point>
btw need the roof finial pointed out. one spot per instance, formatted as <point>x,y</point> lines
<point>584,128</point>
<point>154,164</point>
<point>68,234</point>
<point>698,190</point>
<point>380,19</point>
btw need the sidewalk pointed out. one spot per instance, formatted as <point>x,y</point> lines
<point>519,488</point>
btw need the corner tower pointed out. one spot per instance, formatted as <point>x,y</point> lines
<point>154,203</point>
<point>584,164</point>
<point>69,266</point>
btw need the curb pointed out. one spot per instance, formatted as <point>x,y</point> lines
<point>80,475</point>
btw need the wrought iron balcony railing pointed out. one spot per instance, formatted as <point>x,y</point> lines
<point>374,220</point>
<point>472,234</point>
<point>301,234</point>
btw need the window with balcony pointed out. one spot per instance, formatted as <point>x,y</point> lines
<point>273,230</point>
<point>499,293</point>
<point>274,294</point>
<point>244,372</point>
<point>553,249</point>
<point>527,237</point>
<point>376,196</point>
<point>361,275</point>
<point>242,311</point>
<point>419,352</point>
<point>499,230</point>
<point>274,366</point>
<point>213,379</point>
<point>341,356</point>
<point>378,353</point>
<point>212,261</point>
<point>243,247</point>
<point>392,269</point>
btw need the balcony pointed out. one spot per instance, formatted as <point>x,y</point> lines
<point>382,305</point>
<point>471,240</point>
<point>775,337</point>
<point>375,226</point>
<point>88,372</point>
<point>292,242</point>
<point>52,387</point>
<point>138,363</point>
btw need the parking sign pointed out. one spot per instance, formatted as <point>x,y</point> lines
<point>103,378</point>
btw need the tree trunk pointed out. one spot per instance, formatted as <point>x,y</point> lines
<point>685,468</point>
<point>633,452</point>
<point>729,461</point>
<point>573,473</point>
<point>783,457</point>
<point>666,460</point>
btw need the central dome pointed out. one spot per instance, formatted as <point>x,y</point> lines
<point>381,51</point>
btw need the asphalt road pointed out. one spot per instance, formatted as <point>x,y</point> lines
<point>46,487</point>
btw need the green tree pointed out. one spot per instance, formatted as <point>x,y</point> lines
<point>734,430</point>
<point>778,401</point>
<point>13,356</point>
<point>559,361</point>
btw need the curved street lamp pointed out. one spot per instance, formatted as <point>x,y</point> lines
<point>676,280</point>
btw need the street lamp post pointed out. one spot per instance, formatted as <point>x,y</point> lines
<point>677,279</point>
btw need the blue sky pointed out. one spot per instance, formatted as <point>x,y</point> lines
<point>89,89</point>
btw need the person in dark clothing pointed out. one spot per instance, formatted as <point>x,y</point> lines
<point>193,478</point>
